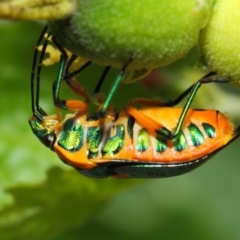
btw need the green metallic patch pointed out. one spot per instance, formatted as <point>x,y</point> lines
<point>94,136</point>
<point>209,129</point>
<point>180,142</point>
<point>142,140</point>
<point>160,145</point>
<point>196,135</point>
<point>71,137</point>
<point>114,144</point>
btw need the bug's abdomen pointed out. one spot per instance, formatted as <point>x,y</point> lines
<point>86,144</point>
<point>203,131</point>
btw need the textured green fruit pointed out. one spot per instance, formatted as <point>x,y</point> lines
<point>108,32</point>
<point>220,40</point>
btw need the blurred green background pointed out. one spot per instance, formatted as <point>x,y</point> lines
<point>40,197</point>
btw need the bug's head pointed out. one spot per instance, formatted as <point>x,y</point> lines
<point>42,129</point>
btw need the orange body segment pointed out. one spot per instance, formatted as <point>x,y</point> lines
<point>163,116</point>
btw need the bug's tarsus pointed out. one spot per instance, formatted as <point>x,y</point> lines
<point>101,80</point>
<point>72,58</point>
<point>67,77</point>
<point>166,134</point>
<point>60,47</point>
<point>70,61</point>
<point>212,77</point>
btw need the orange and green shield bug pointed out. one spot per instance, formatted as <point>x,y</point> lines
<point>152,140</point>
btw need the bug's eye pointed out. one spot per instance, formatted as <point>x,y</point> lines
<point>48,140</point>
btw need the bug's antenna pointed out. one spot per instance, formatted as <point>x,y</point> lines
<point>35,54</point>
<point>39,69</point>
<point>36,109</point>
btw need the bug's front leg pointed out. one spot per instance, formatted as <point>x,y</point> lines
<point>71,104</point>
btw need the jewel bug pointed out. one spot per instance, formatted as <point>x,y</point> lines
<point>153,141</point>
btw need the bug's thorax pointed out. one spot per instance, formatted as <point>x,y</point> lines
<point>80,139</point>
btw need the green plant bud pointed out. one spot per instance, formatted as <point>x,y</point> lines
<point>157,32</point>
<point>220,40</point>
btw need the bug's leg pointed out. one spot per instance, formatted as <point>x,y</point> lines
<point>209,78</point>
<point>146,122</point>
<point>99,98</point>
<point>69,75</point>
<point>77,105</point>
<point>115,85</point>
<point>63,74</point>
<point>75,86</point>
<point>153,126</point>
<point>101,80</point>
<point>169,103</point>
<point>65,65</point>
<point>72,105</point>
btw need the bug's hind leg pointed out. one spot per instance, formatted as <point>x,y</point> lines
<point>153,126</point>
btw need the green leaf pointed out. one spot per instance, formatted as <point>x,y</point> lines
<point>64,200</point>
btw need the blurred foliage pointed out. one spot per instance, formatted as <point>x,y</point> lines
<point>40,197</point>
